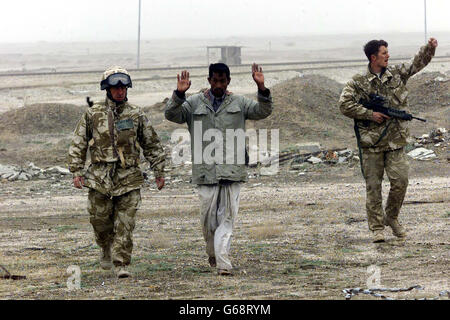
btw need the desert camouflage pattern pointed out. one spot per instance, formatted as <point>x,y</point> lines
<point>392,86</point>
<point>396,166</point>
<point>113,221</point>
<point>231,114</point>
<point>106,172</point>
<point>113,70</point>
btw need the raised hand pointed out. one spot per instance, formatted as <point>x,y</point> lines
<point>183,83</point>
<point>258,76</point>
<point>433,42</point>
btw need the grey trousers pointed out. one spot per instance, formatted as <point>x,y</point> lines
<point>219,205</point>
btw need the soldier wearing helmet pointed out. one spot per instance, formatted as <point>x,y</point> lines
<point>114,132</point>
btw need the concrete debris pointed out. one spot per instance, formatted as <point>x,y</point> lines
<point>32,167</point>
<point>12,173</point>
<point>269,171</point>
<point>435,136</point>
<point>299,160</point>
<point>422,154</point>
<point>7,171</point>
<point>345,153</point>
<point>57,170</point>
<point>441,79</point>
<point>314,160</point>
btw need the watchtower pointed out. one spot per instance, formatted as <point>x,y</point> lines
<point>230,55</point>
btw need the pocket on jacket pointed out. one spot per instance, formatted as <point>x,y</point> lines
<point>234,117</point>
<point>200,111</point>
<point>200,114</point>
<point>234,109</point>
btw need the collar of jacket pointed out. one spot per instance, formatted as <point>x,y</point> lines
<point>115,106</point>
<point>385,74</point>
<point>206,98</point>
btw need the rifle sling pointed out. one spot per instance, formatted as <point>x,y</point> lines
<point>358,142</point>
<point>382,135</point>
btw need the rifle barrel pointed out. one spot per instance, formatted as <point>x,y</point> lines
<point>424,120</point>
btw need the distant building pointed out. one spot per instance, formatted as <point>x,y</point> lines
<point>230,55</point>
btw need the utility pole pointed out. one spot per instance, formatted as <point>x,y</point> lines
<point>139,36</point>
<point>425,11</point>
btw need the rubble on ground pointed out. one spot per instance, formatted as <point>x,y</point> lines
<point>422,154</point>
<point>314,160</point>
<point>436,139</point>
<point>31,172</point>
<point>436,136</point>
<point>300,157</point>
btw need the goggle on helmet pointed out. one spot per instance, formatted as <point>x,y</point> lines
<point>116,79</point>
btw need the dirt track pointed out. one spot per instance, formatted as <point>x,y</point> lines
<point>297,237</point>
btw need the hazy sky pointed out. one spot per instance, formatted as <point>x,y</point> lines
<point>105,20</point>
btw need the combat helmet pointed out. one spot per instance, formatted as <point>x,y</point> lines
<point>114,76</point>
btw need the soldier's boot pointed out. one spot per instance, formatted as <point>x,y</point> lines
<point>378,236</point>
<point>122,272</point>
<point>397,228</point>
<point>105,259</point>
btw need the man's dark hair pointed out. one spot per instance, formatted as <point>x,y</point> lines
<point>219,68</point>
<point>373,46</point>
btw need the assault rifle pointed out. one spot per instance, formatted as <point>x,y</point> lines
<point>377,104</point>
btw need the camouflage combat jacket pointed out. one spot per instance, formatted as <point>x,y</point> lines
<point>231,114</point>
<point>114,168</point>
<point>392,86</point>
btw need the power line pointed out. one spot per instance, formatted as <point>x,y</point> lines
<point>425,12</point>
<point>139,36</point>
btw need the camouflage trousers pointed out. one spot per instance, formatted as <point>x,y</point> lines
<point>219,205</point>
<point>113,221</point>
<point>396,166</point>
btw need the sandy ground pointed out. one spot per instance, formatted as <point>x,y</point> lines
<point>296,237</point>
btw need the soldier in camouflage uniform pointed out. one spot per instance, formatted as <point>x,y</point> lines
<point>382,139</point>
<point>114,131</point>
